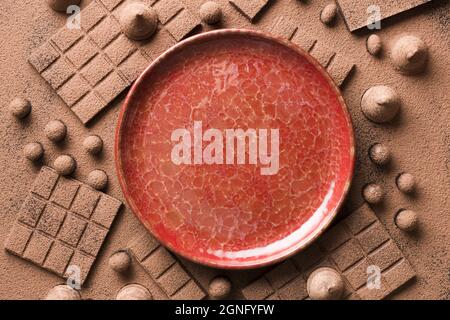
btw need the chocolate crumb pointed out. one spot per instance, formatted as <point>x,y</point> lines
<point>406,220</point>
<point>55,130</point>
<point>33,151</point>
<point>373,193</point>
<point>219,288</point>
<point>134,292</point>
<point>97,179</point>
<point>65,165</point>
<point>20,108</point>
<point>120,261</point>
<point>211,12</point>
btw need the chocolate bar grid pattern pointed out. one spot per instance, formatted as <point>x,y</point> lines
<point>91,66</point>
<point>62,223</point>
<point>357,16</point>
<point>360,240</point>
<point>165,269</point>
<point>249,8</point>
<point>336,64</point>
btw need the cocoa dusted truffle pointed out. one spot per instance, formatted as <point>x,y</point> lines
<point>61,5</point>
<point>409,54</point>
<point>120,261</point>
<point>219,288</point>
<point>406,183</point>
<point>380,104</point>
<point>325,284</point>
<point>93,144</point>
<point>20,108</point>
<point>138,20</point>
<point>374,44</point>
<point>56,130</point>
<point>373,193</point>
<point>211,12</point>
<point>406,220</point>
<point>134,292</point>
<point>65,165</point>
<point>63,292</point>
<point>97,179</point>
<point>33,151</point>
<point>379,154</point>
<point>328,14</point>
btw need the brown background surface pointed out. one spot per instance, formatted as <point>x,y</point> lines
<point>419,139</point>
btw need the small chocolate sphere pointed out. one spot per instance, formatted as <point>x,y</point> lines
<point>379,154</point>
<point>328,14</point>
<point>219,288</point>
<point>134,292</point>
<point>97,179</point>
<point>20,108</point>
<point>406,220</point>
<point>63,292</point>
<point>325,284</point>
<point>61,5</point>
<point>211,12</point>
<point>409,54</point>
<point>120,261</point>
<point>33,151</point>
<point>373,193</point>
<point>380,104</point>
<point>406,183</point>
<point>55,130</point>
<point>138,20</point>
<point>65,165</point>
<point>93,144</point>
<point>374,44</point>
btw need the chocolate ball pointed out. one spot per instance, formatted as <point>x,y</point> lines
<point>93,144</point>
<point>33,151</point>
<point>325,284</point>
<point>97,179</point>
<point>219,288</point>
<point>373,193</point>
<point>211,12</point>
<point>20,108</point>
<point>328,14</point>
<point>134,292</point>
<point>409,54</point>
<point>379,154</point>
<point>61,5</point>
<point>406,220</point>
<point>406,183</point>
<point>380,104</point>
<point>138,20</point>
<point>63,292</point>
<point>374,44</point>
<point>65,165</point>
<point>55,130</point>
<point>120,261</point>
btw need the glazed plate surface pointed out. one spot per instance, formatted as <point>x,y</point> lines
<point>207,204</point>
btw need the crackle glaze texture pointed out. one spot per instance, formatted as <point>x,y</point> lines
<point>231,215</point>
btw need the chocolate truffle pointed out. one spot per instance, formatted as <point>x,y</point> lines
<point>134,292</point>
<point>373,193</point>
<point>328,14</point>
<point>409,54</point>
<point>65,165</point>
<point>406,183</point>
<point>219,288</point>
<point>325,284</point>
<point>379,154</point>
<point>55,130</point>
<point>63,292</point>
<point>61,5</point>
<point>138,20</point>
<point>93,144</point>
<point>20,108</point>
<point>33,151</point>
<point>97,179</point>
<point>374,44</point>
<point>210,12</point>
<point>380,104</point>
<point>120,261</point>
<point>406,220</point>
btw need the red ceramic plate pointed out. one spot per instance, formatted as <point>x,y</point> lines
<point>178,130</point>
